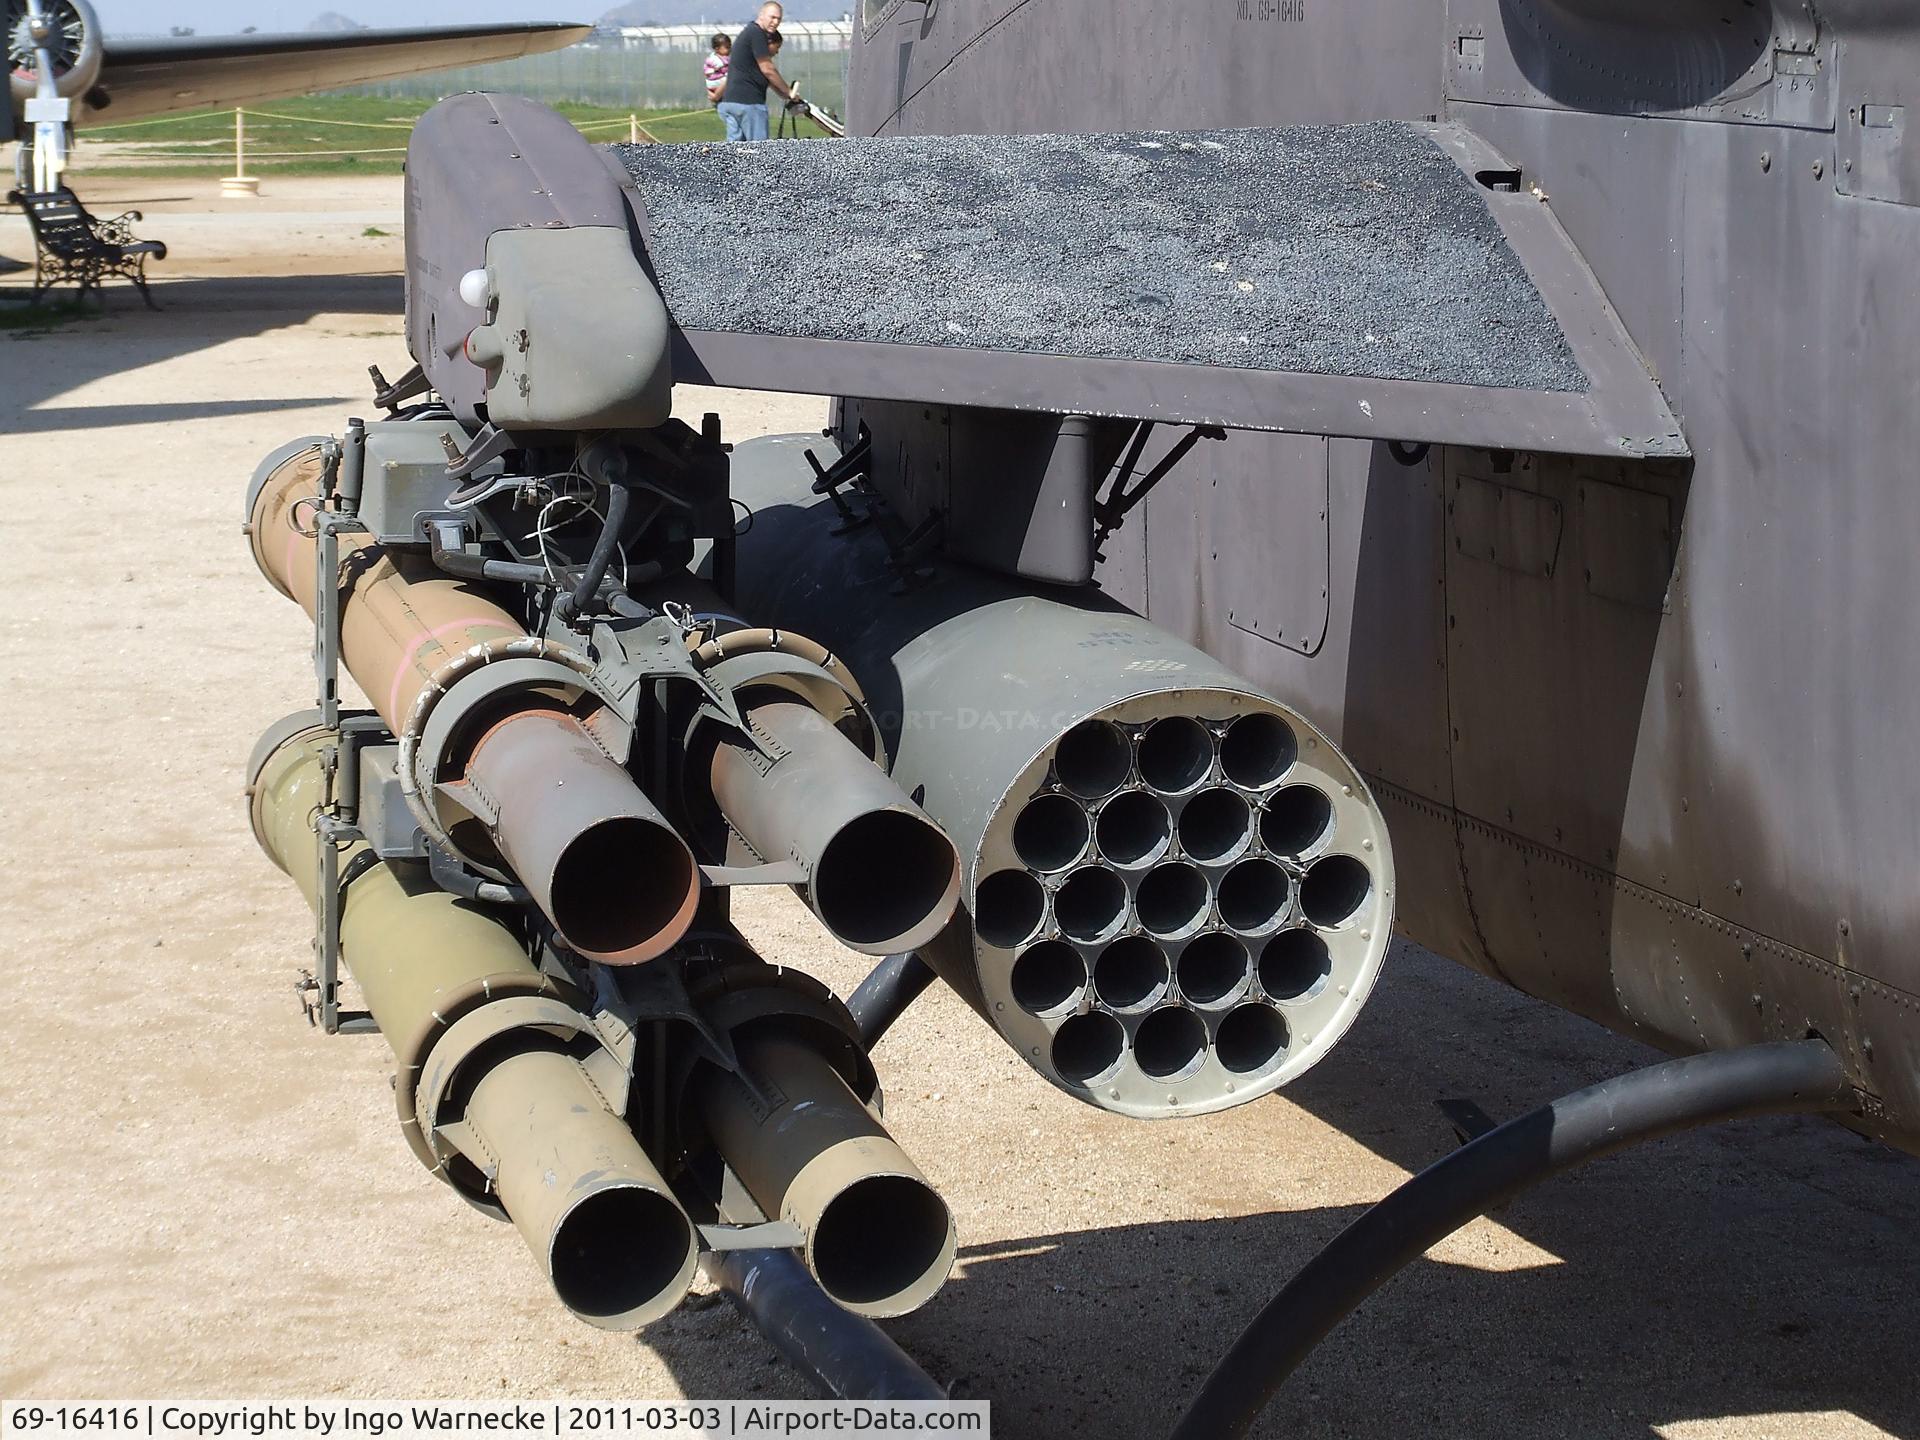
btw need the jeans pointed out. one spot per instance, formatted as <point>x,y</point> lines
<point>744,122</point>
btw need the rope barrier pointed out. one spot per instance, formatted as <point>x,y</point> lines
<point>227,154</point>
<point>635,126</point>
<point>316,120</point>
<point>581,125</point>
<point>161,120</point>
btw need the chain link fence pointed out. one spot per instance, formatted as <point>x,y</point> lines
<point>651,68</point>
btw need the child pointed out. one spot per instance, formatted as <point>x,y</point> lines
<point>716,68</point>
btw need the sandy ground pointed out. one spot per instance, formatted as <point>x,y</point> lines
<point>204,1197</point>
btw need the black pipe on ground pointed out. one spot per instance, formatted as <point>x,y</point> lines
<point>1781,1078</point>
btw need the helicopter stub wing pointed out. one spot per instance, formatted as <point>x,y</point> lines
<point>1380,280</point>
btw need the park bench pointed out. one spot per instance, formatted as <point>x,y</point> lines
<point>73,246</point>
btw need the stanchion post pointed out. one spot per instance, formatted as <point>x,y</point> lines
<point>239,185</point>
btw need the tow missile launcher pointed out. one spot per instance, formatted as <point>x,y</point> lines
<point>606,685</point>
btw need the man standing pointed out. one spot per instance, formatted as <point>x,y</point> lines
<point>750,71</point>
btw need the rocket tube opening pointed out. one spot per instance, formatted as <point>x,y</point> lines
<point>616,1254</point>
<point>1295,819</point>
<point>1172,900</point>
<point>882,876</point>
<point>620,886</point>
<point>1249,1039</point>
<point>1257,750</point>
<point>1007,907</point>
<point>879,1241</point>
<point>1047,977</point>
<point>1092,759</point>
<point>1170,1042</point>
<point>1214,967</point>
<point>1051,832</point>
<point>1254,895</point>
<point>1175,754</point>
<point>1293,964</point>
<point>1133,829</point>
<point>1088,1046</point>
<point>616,880</point>
<point>1215,825</point>
<point>1334,890</point>
<point>1091,904</point>
<point>1131,973</point>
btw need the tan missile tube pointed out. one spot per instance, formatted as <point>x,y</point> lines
<point>617,881</point>
<point>879,1239</point>
<point>606,1229</point>
<point>617,1248</point>
<point>880,875</point>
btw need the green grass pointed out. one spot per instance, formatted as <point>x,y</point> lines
<point>377,129</point>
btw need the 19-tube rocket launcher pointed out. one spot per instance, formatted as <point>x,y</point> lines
<point>613,671</point>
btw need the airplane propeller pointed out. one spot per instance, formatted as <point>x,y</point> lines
<point>53,55</point>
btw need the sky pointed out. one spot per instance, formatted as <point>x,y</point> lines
<point>213,17</point>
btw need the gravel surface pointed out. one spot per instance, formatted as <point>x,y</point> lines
<point>1333,250</point>
<point>202,1197</point>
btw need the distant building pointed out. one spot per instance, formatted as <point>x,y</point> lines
<point>816,35</point>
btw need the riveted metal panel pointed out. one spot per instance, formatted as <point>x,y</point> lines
<point>1887,1043</point>
<point>1267,539</point>
<point>1238,553</point>
<point>1505,525</point>
<point>1629,543</point>
<point>1879,131</point>
<point>1548,681</point>
<point>1383,667</point>
<point>1726,60</point>
<point>1433,908</point>
<point>987,67</point>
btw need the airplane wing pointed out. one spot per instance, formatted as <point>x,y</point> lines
<point>139,78</point>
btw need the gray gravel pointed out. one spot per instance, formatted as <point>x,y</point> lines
<point>1336,250</point>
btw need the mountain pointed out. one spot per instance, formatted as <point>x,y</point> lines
<point>332,21</point>
<point>721,14</point>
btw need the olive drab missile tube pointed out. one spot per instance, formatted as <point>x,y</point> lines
<point>611,671</point>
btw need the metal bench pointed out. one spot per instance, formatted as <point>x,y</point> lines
<point>76,247</point>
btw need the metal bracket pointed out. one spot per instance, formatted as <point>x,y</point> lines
<point>324,984</point>
<point>328,526</point>
<point>489,445</point>
<point>388,397</point>
<point>780,872</point>
<point>766,1235</point>
<point>906,552</point>
<point>849,468</point>
<point>334,821</point>
<point>1111,512</point>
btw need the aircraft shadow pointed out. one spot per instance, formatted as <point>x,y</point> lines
<point>196,315</point>
<point>1759,1268</point>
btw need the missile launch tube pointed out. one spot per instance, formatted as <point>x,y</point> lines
<point>589,846</point>
<point>880,875</point>
<point>616,880</point>
<point>615,1244</point>
<point>1177,891</point>
<point>599,1218</point>
<point>409,945</point>
<point>401,620</point>
<point>879,1238</point>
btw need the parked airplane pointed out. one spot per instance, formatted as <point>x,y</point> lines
<point>65,73</point>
